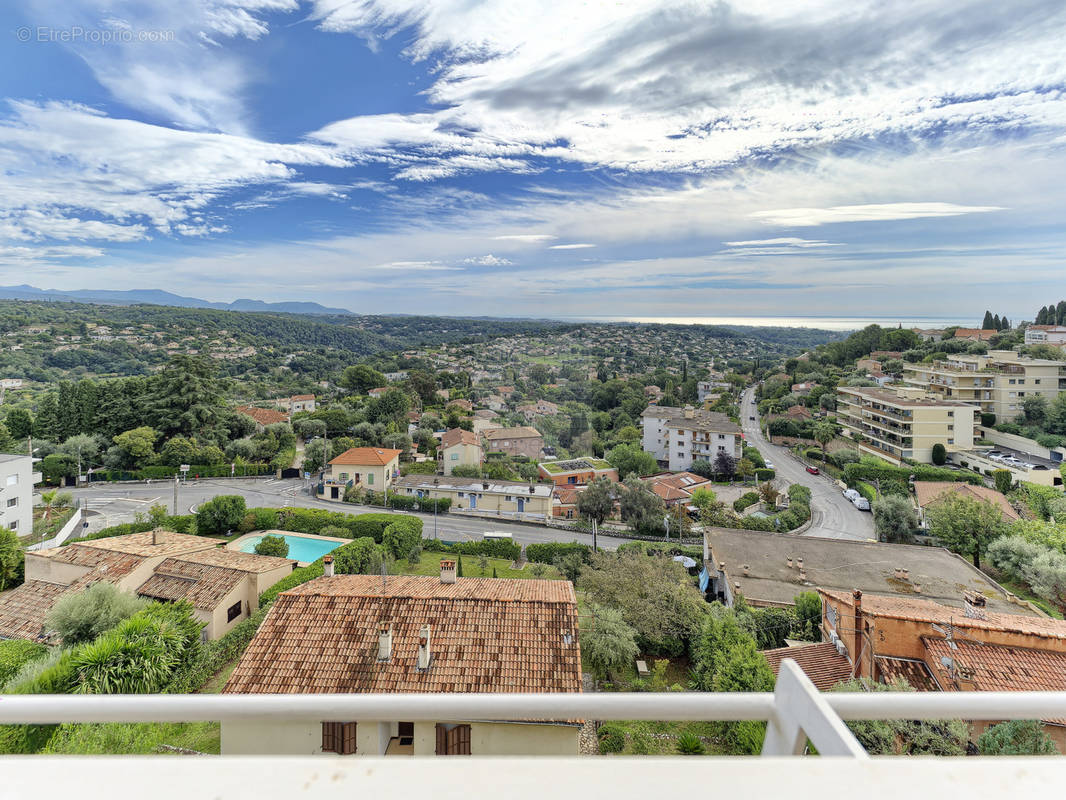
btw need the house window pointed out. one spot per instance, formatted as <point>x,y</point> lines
<point>233,611</point>
<point>460,494</point>
<point>14,525</point>
<point>12,502</point>
<point>344,476</point>
<point>453,740</point>
<point>12,480</point>
<point>370,479</point>
<point>507,498</point>
<point>455,456</point>
<point>338,737</point>
<point>951,441</point>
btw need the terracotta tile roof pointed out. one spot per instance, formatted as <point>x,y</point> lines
<point>140,544</point>
<point>234,559</point>
<point>975,333</point>
<point>914,672</point>
<point>486,635</point>
<point>458,436</point>
<point>907,608</point>
<point>820,662</point>
<point>303,397</point>
<point>202,585</point>
<point>366,456</point>
<point>999,668</point>
<point>568,495</point>
<point>927,492</point>
<point>264,416</point>
<point>522,432</point>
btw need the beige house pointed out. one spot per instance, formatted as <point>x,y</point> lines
<point>361,468</point>
<point>349,634</point>
<point>904,424</point>
<point>996,383</point>
<point>502,498</point>
<point>222,585</point>
<point>298,402</point>
<point>521,441</point>
<point>459,448</point>
<point>541,408</point>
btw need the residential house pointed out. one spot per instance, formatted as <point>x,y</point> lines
<point>823,664</point>
<point>461,404</point>
<point>564,501</point>
<point>653,393</point>
<point>372,468</point>
<point>996,383</point>
<point>342,634</point>
<point>868,364</point>
<point>802,389</point>
<point>11,383</point>
<point>541,408</point>
<point>936,647</point>
<point>378,392</point>
<point>895,425</point>
<point>929,493</point>
<point>495,402</point>
<point>399,375</point>
<point>522,441</point>
<point>676,488</point>
<point>506,392</point>
<point>222,585</point>
<point>442,394</point>
<point>679,436</point>
<point>976,334</point>
<point>576,471</point>
<point>770,570</point>
<point>713,386</point>
<point>929,334</point>
<point>17,494</point>
<point>1054,335</point>
<point>459,448</point>
<point>885,355</point>
<point>797,413</point>
<point>301,402</point>
<point>515,499</point>
<point>262,416</point>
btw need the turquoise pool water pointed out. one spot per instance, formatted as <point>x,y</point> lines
<point>301,548</point>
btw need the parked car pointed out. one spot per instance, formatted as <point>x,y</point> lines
<point>852,495</point>
<point>752,418</point>
<point>769,465</point>
<point>861,503</point>
<point>814,470</point>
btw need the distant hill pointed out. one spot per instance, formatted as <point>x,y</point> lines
<point>157,297</point>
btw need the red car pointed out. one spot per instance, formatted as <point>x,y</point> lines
<point>813,470</point>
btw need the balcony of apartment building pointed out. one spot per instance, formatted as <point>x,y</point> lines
<point>800,721</point>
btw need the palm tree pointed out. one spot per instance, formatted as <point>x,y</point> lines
<point>824,433</point>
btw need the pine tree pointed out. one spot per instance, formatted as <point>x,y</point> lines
<point>987,323</point>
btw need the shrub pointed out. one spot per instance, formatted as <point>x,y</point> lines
<point>867,491</point>
<point>640,743</point>
<point>1003,479</point>
<point>494,548</point>
<point>547,552</point>
<point>940,454</point>
<point>689,744</point>
<point>799,492</point>
<point>14,653</point>
<point>844,457</point>
<point>987,419</point>
<point>85,615</point>
<point>403,502</point>
<point>871,470</point>
<point>220,514</point>
<point>298,576</point>
<point>272,546</point>
<point>612,738</point>
<point>359,556</point>
<point>442,504</point>
<point>765,474</point>
<point>402,535</point>
<point>1018,737</point>
<point>745,500</point>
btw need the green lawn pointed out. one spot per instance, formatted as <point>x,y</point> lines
<point>1025,593</point>
<point>142,738</point>
<point>430,565</point>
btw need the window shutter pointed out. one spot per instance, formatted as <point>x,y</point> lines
<point>442,744</point>
<point>348,738</point>
<point>329,737</point>
<point>462,744</point>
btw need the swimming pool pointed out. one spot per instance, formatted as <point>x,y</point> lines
<point>301,548</point>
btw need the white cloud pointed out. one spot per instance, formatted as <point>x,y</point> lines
<point>529,238</point>
<point>805,217</point>
<point>574,246</point>
<point>488,261</point>
<point>785,241</point>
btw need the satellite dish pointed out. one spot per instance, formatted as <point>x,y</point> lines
<point>947,662</point>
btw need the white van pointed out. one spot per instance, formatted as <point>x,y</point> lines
<point>491,536</point>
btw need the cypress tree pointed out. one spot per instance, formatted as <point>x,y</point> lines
<point>459,567</point>
<point>996,325</point>
<point>1041,316</point>
<point>987,323</point>
<point>1060,313</point>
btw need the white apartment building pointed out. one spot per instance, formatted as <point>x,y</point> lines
<point>17,479</point>
<point>997,383</point>
<point>679,436</point>
<point>1054,335</point>
<point>902,424</point>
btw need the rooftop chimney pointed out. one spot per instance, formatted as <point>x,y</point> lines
<point>856,651</point>
<point>424,654</point>
<point>747,570</point>
<point>447,570</point>
<point>790,562</point>
<point>689,412</point>
<point>384,641</point>
<point>157,536</point>
<point>327,566</point>
<point>975,605</point>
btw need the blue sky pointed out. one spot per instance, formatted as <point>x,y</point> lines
<point>540,158</point>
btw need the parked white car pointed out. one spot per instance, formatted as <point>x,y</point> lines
<point>861,503</point>
<point>852,495</point>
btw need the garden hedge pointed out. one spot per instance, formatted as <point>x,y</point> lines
<point>493,548</point>
<point>870,471</point>
<point>547,552</point>
<point>159,472</point>
<point>745,500</point>
<point>867,491</point>
<point>765,474</point>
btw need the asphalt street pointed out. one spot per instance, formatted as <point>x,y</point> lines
<point>834,516</point>
<point>110,504</point>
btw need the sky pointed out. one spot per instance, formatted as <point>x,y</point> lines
<point>541,158</point>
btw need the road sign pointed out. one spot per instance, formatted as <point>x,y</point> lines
<point>184,467</point>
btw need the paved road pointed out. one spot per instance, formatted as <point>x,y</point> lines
<point>834,516</point>
<point>111,504</point>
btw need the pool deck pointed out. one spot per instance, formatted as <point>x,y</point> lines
<point>236,543</point>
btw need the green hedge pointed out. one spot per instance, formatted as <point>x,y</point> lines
<point>358,526</point>
<point>158,472</point>
<point>870,471</point>
<point>765,474</point>
<point>16,652</point>
<point>754,456</point>
<point>185,523</point>
<point>402,535</point>
<point>547,552</point>
<point>867,491</point>
<point>402,501</point>
<point>799,492</point>
<point>745,500</point>
<point>494,548</point>
<point>295,578</point>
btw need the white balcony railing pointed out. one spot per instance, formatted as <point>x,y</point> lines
<point>795,712</point>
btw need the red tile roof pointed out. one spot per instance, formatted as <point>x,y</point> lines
<point>458,436</point>
<point>820,662</point>
<point>522,432</point>
<point>486,635</point>
<point>366,456</point>
<point>264,416</point>
<point>928,492</point>
<point>914,672</point>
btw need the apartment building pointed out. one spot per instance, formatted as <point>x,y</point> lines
<point>515,499</point>
<point>904,424</point>
<point>679,436</point>
<point>1054,335</point>
<point>997,382</point>
<point>17,479</point>
<point>521,441</point>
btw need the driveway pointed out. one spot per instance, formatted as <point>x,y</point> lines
<point>834,516</point>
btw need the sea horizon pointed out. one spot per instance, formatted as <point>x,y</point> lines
<point>829,323</point>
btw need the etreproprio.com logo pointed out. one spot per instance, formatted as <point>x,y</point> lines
<point>78,34</point>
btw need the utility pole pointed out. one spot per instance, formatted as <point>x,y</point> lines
<point>175,495</point>
<point>594,526</point>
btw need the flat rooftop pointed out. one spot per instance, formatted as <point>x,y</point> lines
<point>893,399</point>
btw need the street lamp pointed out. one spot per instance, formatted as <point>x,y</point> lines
<point>436,482</point>
<point>666,522</point>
